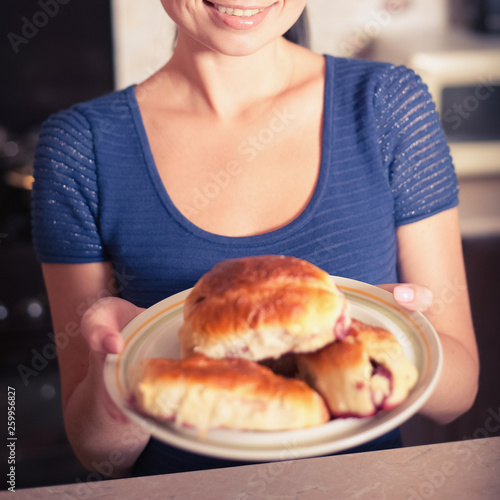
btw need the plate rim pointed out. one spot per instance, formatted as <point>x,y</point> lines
<point>388,421</point>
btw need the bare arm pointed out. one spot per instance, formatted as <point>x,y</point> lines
<point>430,253</point>
<point>101,436</point>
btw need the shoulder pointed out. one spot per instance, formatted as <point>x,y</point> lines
<point>391,95</point>
<point>376,78</point>
<point>87,125</point>
<point>352,69</point>
<point>365,67</point>
<point>68,139</point>
<point>84,117</point>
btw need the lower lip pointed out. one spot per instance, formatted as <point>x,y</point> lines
<point>239,22</point>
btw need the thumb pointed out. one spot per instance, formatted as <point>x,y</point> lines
<point>410,295</point>
<point>102,324</point>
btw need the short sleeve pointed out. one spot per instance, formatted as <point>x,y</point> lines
<point>64,207</point>
<point>414,148</point>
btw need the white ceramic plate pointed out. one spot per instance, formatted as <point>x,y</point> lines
<point>154,334</point>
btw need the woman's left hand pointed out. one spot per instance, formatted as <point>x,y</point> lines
<point>430,253</point>
<point>410,295</point>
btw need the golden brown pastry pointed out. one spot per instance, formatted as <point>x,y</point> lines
<point>207,393</point>
<point>364,373</point>
<point>262,307</point>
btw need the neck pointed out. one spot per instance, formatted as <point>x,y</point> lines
<point>229,86</point>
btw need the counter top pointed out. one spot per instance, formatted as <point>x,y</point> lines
<point>460,470</point>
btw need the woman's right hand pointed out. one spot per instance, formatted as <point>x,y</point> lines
<point>102,323</point>
<point>101,327</point>
<point>85,312</point>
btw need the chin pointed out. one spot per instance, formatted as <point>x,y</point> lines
<point>239,46</point>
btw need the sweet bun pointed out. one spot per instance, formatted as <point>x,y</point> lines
<point>364,373</point>
<point>207,393</point>
<point>262,307</point>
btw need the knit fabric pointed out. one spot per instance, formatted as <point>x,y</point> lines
<point>98,195</point>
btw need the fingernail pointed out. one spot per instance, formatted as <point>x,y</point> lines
<point>404,294</point>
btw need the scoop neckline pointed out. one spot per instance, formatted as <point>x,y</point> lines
<point>252,240</point>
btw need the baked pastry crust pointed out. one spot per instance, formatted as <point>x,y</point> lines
<point>262,307</point>
<point>364,373</point>
<point>233,393</point>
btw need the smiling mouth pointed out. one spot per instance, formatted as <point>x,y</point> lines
<point>230,11</point>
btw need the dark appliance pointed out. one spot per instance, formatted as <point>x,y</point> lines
<point>484,15</point>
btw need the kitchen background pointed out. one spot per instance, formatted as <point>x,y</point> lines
<point>55,53</point>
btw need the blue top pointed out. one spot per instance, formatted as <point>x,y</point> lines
<point>384,162</point>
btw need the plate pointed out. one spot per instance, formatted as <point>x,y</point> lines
<point>154,334</point>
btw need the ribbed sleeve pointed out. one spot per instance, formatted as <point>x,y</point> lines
<point>65,194</point>
<point>413,147</point>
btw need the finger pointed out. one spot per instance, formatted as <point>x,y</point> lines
<point>102,324</point>
<point>413,297</point>
<point>103,340</point>
<point>113,343</point>
<point>410,295</point>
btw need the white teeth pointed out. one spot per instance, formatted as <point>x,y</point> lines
<point>238,12</point>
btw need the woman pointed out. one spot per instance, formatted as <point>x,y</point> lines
<point>244,143</point>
